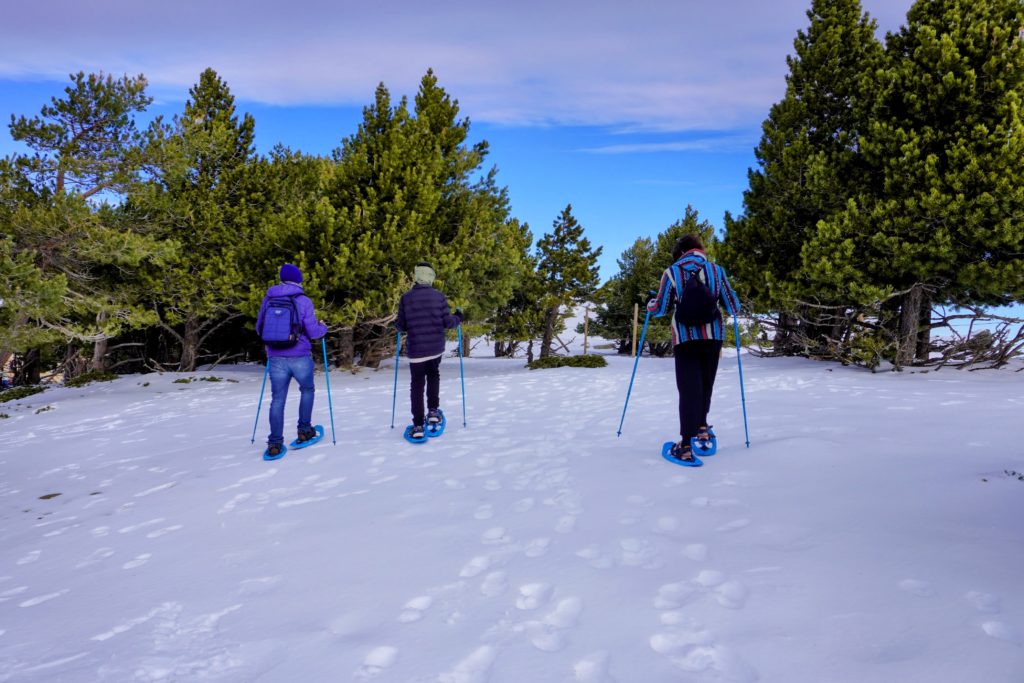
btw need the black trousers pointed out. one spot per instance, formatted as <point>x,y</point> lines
<point>427,372</point>
<point>696,367</point>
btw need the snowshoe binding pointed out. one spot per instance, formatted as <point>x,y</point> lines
<point>308,436</point>
<point>436,422</point>
<point>705,443</point>
<point>274,451</point>
<point>680,454</point>
<point>415,434</point>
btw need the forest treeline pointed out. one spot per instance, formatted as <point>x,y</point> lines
<point>888,190</point>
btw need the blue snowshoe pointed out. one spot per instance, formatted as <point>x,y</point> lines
<point>670,451</point>
<point>318,434</point>
<point>414,434</point>
<point>705,447</point>
<point>436,422</point>
<point>269,455</point>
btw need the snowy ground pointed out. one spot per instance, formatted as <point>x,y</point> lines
<point>869,534</point>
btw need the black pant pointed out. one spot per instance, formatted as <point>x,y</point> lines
<point>426,372</point>
<point>696,367</point>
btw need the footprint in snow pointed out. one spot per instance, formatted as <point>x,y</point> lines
<point>475,566</point>
<point>378,659</point>
<point>414,609</point>
<point>523,505</point>
<point>921,589</point>
<point>138,561</point>
<point>592,668</point>
<point>31,557</point>
<point>537,547</point>
<point>1002,631</point>
<point>495,536</point>
<point>984,602</point>
<point>533,595</point>
<point>494,584</point>
<point>474,668</point>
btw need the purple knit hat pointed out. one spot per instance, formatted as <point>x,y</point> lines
<point>290,273</point>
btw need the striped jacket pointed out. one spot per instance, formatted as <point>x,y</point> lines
<point>672,284</point>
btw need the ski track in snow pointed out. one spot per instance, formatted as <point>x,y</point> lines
<point>173,552</point>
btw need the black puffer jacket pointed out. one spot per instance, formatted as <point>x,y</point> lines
<point>423,316</point>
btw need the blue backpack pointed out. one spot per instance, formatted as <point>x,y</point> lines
<point>696,306</point>
<point>281,326</point>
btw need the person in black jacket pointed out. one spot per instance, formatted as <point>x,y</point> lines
<point>423,316</point>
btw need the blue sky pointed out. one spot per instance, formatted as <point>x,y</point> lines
<point>627,111</point>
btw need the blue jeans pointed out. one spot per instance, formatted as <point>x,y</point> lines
<point>281,372</point>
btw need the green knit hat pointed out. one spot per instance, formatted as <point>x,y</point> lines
<point>424,273</point>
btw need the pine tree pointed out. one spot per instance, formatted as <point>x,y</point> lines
<point>86,147</point>
<point>809,163</point>
<point>404,190</point>
<point>202,197</point>
<point>87,141</point>
<point>940,221</point>
<point>568,268</point>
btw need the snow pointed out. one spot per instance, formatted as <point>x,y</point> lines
<point>870,533</point>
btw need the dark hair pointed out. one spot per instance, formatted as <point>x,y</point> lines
<point>685,244</point>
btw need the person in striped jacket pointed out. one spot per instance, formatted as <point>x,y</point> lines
<point>696,348</point>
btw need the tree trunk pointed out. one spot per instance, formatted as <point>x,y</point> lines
<point>99,349</point>
<point>465,344</point>
<point>499,349</point>
<point>783,341</point>
<point>99,355</point>
<point>924,335</point>
<point>909,324</point>
<point>548,336</point>
<point>529,352</point>
<point>189,347</point>
<point>346,347</point>
<point>26,368</point>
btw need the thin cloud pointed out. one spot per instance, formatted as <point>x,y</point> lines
<point>660,66</point>
<point>730,143</point>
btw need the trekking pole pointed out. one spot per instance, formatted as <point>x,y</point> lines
<point>639,352</point>
<point>743,398</point>
<point>327,374</point>
<point>259,405</point>
<point>462,378</point>
<point>394,393</point>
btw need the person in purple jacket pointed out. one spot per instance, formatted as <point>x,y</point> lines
<point>292,362</point>
<point>423,316</point>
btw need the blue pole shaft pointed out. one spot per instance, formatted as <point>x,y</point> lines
<point>327,374</point>
<point>639,352</point>
<point>394,394</point>
<point>259,405</point>
<point>739,363</point>
<point>462,379</point>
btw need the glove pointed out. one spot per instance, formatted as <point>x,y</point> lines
<point>458,312</point>
<point>652,305</point>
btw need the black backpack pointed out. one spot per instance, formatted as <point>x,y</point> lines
<point>695,305</point>
<point>281,326</point>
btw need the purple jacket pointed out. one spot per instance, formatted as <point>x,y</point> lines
<point>423,316</point>
<point>311,327</point>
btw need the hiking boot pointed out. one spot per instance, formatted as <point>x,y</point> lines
<point>274,450</point>
<point>305,434</point>
<point>434,417</point>
<point>416,432</point>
